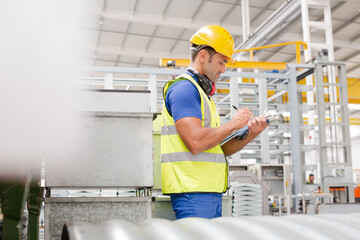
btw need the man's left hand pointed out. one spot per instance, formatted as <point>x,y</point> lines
<point>256,126</point>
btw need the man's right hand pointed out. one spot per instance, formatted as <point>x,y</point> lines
<point>241,118</point>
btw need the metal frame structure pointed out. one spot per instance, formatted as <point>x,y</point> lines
<point>267,148</point>
<point>308,25</point>
<point>279,21</point>
<point>334,128</point>
<point>252,95</point>
<point>295,120</point>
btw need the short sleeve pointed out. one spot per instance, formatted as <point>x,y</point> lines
<point>183,100</point>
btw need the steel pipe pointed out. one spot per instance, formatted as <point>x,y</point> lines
<point>326,226</point>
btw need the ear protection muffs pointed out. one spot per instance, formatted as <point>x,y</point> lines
<point>310,176</point>
<point>204,82</point>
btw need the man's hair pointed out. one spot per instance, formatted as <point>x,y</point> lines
<point>311,175</point>
<point>195,49</point>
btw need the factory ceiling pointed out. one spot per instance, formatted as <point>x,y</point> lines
<point>137,33</point>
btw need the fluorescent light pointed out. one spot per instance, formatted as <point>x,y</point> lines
<point>354,106</point>
<point>286,135</point>
<point>286,114</point>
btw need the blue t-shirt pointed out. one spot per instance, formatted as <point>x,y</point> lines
<point>183,100</point>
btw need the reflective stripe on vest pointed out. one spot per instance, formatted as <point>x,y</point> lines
<point>188,156</point>
<point>181,171</point>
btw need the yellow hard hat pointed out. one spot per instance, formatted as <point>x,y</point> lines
<point>216,37</point>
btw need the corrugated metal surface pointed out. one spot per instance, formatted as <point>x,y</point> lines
<point>327,226</point>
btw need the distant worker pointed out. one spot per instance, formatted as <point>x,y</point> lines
<point>194,169</point>
<point>311,179</point>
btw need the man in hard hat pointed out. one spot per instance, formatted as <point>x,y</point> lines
<point>311,179</point>
<point>193,165</point>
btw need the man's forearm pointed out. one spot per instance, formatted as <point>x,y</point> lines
<point>198,139</point>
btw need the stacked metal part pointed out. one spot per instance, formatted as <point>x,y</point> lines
<point>247,199</point>
<point>326,226</point>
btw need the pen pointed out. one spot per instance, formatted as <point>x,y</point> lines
<point>244,132</point>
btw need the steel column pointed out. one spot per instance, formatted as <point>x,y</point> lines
<point>334,134</point>
<point>153,92</point>
<point>234,100</point>
<point>321,121</point>
<point>295,130</point>
<point>109,81</point>
<point>245,16</point>
<point>264,136</point>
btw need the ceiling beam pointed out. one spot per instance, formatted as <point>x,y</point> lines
<point>337,43</point>
<point>347,23</point>
<point>101,26</point>
<point>337,6</point>
<point>186,23</point>
<point>170,53</point>
<point>135,52</point>
<point>239,4</point>
<point>151,38</point>
<point>355,37</point>
<point>346,44</point>
<point>197,10</point>
<point>263,10</point>
<point>135,7</point>
<point>165,9</point>
<point>285,38</point>
<point>350,56</point>
<point>278,50</point>
<point>294,58</point>
<point>353,112</point>
<point>138,64</point>
<point>123,42</point>
<point>137,34</point>
<point>280,19</point>
<point>228,12</point>
<point>154,19</point>
<point>356,67</point>
<point>333,9</point>
<point>177,40</point>
<point>276,26</point>
<point>125,35</point>
<point>119,62</point>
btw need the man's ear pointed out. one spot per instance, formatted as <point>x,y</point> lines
<point>202,55</point>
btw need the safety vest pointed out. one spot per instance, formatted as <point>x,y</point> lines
<point>183,172</point>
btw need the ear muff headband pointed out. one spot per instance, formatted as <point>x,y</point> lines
<point>205,83</point>
<point>213,90</point>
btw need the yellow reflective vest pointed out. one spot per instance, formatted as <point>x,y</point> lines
<point>183,172</point>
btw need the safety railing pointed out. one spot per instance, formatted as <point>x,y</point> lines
<point>298,44</point>
<point>177,62</point>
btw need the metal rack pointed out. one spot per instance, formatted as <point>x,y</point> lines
<point>334,127</point>
<point>284,142</point>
